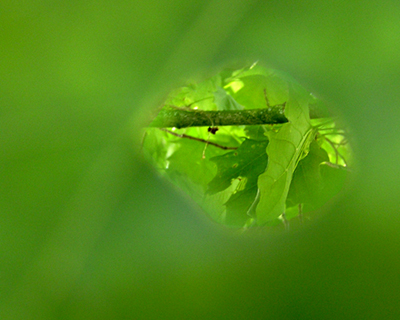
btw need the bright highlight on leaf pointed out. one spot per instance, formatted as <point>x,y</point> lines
<point>251,146</point>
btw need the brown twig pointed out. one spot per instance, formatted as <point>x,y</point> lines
<point>197,139</point>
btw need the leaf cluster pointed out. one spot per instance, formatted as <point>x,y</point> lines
<point>275,172</point>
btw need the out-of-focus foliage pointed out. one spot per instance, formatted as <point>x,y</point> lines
<point>89,231</point>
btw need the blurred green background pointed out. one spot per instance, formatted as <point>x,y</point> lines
<point>89,231</point>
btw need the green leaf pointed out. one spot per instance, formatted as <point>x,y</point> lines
<point>286,148</point>
<point>313,196</point>
<point>255,132</point>
<point>256,89</point>
<point>245,165</point>
<point>196,94</point>
<point>243,162</point>
<point>186,164</point>
<point>187,169</point>
<point>224,101</point>
<point>307,183</point>
<point>333,181</point>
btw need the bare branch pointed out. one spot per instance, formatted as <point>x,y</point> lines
<point>172,117</point>
<point>180,117</point>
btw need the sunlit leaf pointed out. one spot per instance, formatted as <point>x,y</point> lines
<point>286,148</point>
<point>245,164</point>
<point>224,101</point>
<point>195,94</point>
<point>191,173</point>
<point>261,91</point>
